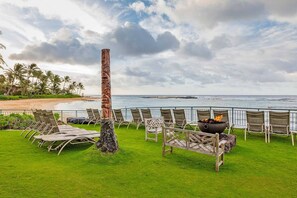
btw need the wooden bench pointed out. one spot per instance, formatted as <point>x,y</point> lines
<point>205,143</point>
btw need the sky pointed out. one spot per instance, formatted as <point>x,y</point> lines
<point>159,47</point>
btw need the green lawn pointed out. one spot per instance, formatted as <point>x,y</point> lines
<point>252,169</point>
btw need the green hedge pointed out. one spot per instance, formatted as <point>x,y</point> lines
<point>15,121</point>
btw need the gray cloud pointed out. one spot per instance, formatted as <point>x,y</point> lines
<point>66,47</point>
<point>282,8</point>
<point>134,40</point>
<point>221,42</point>
<point>33,17</point>
<point>169,74</point>
<point>288,66</point>
<point>71,51</point>
<point>136,72</point>
<point>210,13</point>
<point>200,50</point>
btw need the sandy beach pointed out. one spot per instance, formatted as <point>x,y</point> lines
<point>44,103</point>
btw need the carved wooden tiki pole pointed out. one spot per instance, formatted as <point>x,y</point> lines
<point>108,141</point>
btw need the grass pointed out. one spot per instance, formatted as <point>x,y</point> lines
<point>19,97</point>
<point>252,169</point>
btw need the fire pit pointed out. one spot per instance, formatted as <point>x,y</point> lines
<point>212,125</point>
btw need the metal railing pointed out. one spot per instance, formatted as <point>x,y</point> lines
<point>237,115</point>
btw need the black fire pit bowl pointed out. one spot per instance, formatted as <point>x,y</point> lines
<point>214,127</point>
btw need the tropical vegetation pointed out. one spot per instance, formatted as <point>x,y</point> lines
<point>30,80</point>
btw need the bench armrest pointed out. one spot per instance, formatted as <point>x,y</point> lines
<point>222,142</point>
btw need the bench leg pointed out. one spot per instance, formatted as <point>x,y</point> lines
<point>217,163</point>
<point>163,150</point>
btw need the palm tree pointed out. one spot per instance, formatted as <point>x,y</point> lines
<point>56,82</point>
<point>2,84</point>
<point>2,62</point>
<point>43,84</point>
<point>49,74</point>
<point>70,88</point>
<point>20,73</point>
<point>31,70</point>
<point>80,87</point>
<point>66,79</point>
<point>10,78</point>
<point>36,76</point>
<point>74,84</point>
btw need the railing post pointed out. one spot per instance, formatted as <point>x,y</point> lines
<point>62,115</point>
<point>232,113</point>
<point>126,113</point>
<point>191,114</point>
<point>210,111</point>
<point>76,113</point>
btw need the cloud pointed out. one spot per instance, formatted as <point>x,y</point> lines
<point>209,13</point>
<point>134,40</point>
<point>281,8</point>
<point>70,51</point>
<point>199,49</point>
<point>220,42</point>
<point>65,45</point>
<point>137,6</point>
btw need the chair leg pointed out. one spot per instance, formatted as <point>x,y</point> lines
<point>265,136</point>
<point>89,122</point>
<point>244,134</point>
<point>293,141</point>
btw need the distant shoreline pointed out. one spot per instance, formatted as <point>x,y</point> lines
<point>168,97</point>
<point>39,103</point>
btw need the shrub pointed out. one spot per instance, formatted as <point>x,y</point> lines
<point>15,121</point>
<point>57,116</point>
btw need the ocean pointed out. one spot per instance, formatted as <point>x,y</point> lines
<point>242,101</point>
